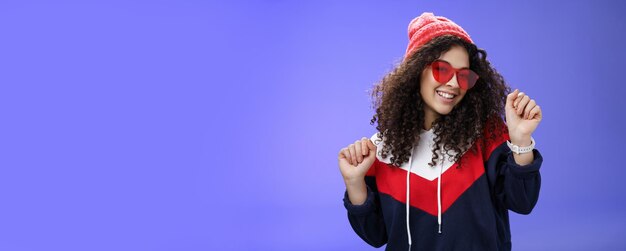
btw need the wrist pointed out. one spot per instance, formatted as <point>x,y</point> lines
<point>521,140</point>
<point>355,183</point>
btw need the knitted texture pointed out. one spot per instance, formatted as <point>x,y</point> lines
<point>428,26</point>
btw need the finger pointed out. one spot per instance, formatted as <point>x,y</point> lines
<point>349,156</point>
<point>364,149</point>
<point>345,153</point>
<point>353,154</point>
<point>358,151</point>
<point>371,146</point>
<point>531,104</point>
<point>522,105</point>
<point>341,155</point>
<point>535,113</point>
<point>539,113</point>
<point>518,99</point>
<point>511,97</point>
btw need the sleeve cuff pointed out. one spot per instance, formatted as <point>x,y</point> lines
<point>525,171</point>
<point>360,210</point>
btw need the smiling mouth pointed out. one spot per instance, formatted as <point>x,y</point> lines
<point>445,95</point>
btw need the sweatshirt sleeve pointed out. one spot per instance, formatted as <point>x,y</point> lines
<point>367,219</point>
<point>514,187</point>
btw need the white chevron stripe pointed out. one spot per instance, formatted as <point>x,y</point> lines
<point>422,155</point>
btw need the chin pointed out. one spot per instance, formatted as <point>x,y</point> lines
<point>443,111</point>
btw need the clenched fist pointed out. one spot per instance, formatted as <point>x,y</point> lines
<point>356,159</point>
<point>523,115</point>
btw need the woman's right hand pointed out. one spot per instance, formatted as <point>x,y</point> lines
<point>356,159</point>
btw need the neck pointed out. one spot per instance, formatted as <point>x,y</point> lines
<point>429,117</point>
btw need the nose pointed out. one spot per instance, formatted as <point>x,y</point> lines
<point>453,82</point>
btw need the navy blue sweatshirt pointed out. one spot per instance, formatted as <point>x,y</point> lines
<point>450,208</point>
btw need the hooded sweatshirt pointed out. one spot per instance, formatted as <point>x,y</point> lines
<point>420,207</point>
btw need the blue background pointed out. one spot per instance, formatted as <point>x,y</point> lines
<point>192,125</point>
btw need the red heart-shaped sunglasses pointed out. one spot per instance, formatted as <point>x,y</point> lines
<point>443,72</point>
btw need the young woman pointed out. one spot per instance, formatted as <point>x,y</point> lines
<point>443,169</point>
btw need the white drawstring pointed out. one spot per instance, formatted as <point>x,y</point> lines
<point>408,193</point>
<point>408,186</point>
<point>439,190</point>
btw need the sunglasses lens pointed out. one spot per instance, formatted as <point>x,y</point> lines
<point>442,71</point>
<point>467,78</point>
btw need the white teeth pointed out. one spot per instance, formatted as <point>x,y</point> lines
<point>445,95</point>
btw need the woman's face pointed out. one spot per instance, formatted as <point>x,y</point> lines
<point>441,98</point>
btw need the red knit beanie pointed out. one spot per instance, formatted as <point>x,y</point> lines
<point>428,26</point>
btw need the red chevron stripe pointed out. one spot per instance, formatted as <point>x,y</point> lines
<point>391,179</point>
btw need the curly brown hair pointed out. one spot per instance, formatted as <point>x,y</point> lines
<point>400,108</point>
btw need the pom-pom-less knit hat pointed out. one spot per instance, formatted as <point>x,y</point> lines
<point>428,26</point>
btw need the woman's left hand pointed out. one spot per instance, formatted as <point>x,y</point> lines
<point>522,117</point>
